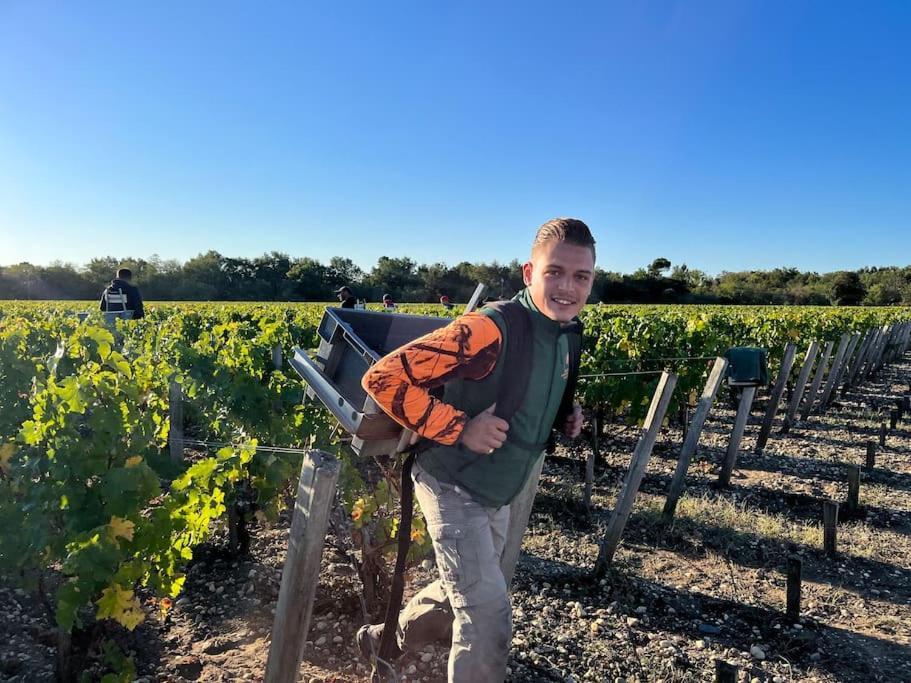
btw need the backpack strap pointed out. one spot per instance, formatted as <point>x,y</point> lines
<point>517,359</point>
<point>574,335</point>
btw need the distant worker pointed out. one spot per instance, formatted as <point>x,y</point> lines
<point>388,303</point>
<point>346,297</point>
<point>446,303</point>
<point>121,295</point>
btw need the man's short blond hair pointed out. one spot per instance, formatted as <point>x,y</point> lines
<point>570,230</point>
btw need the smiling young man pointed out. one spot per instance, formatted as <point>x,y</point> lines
<point>481,455</point>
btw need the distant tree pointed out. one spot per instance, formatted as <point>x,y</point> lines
<point>61,281</point>
<point>693,278</point>
<point>204,278</point>
<point>310,281</point>
<point>393,276</point>
<point>25,281</point>
<point>847,289</point>
<point>343,271</point>
<point>240,280</point>
<point>101,271</point>
<point>658,266</point>
<point>436,280</point>
<point>270,271</point>
<point>882,294</point>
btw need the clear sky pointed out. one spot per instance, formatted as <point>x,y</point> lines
<point>728,135</point>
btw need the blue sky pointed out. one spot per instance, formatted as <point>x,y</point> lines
<point>728,135</point>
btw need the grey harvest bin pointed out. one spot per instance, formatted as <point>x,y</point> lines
<point>350,341</point>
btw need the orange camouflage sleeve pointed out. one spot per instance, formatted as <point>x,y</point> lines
<point>400,383</point>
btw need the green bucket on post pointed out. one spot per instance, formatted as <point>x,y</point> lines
<point>748,366</point>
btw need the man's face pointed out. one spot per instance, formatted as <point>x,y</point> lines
<point>344,294</point>
<point>560,277</point>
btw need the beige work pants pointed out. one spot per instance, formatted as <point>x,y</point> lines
<point>469,600</point>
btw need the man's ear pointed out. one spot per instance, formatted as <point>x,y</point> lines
<point>526,273</point>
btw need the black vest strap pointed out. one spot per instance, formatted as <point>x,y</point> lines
<point>573,331</point>
<point>517,360</point>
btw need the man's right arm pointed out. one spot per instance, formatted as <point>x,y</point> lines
<point>401,382</point>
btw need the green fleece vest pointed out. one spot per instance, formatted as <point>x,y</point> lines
<point>495,479</point>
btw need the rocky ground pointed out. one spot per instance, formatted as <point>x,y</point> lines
<point>679,596</point>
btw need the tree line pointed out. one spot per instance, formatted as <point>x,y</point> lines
<point>276,276</point>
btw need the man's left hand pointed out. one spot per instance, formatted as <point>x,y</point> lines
<point>573,425</point>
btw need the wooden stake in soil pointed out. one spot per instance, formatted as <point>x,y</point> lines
<point>871,455</point>
<point>64,658</point>
<point>830,522</point>
<point>817,381</point>
<point>882,434</point>
<point>802,378</point>
<point>475,297</point>
<point>835,372</point>
<point>300,576</point>
<point>787,362</point>
<point>841,379</point>
<point>875,360</point>
<point>277,364</point>
<point>740,423</point>
<point>893,418</point>
<point>277,356</point>
<point>725,673</point>
<point>853,502</point>
<point>175,415</point>
<point>862,351</point>
<point>888,333</point>
<point>590,466</point>
<point>716,377</point>
<point>636,473</point>
<point>793,608</point>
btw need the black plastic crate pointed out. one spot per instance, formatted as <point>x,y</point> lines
<point>351,341</point>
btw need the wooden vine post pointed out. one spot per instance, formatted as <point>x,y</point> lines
<point>787,362</point>
<point>726,672</point>
<point>793,590</point>
<point>881,356</point>
<point>636,472</point>
<point>703,406</point>
<point>851,375</point>
<point>801,384</point>
<point>829,527</point>
<point>277,364</point>
<point>175,420</point>
<point>810,399</point>
<point>590,466</point>
<point>853,503</point>
<point>843,371</point>
<point>740,423</point>
<point>875,349</point>
<point>835,372</point>
<point>300,576</point>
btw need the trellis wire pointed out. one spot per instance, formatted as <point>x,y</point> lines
<point>218,444</point>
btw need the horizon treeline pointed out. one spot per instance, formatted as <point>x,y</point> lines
<point>276,276</point>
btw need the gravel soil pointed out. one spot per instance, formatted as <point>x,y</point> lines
<point>710,585</point>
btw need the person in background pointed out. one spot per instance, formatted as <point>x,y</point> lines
<point>446,303</point>
<point>346,297</point>
<point>122,295</point>
<point>388,303</point>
